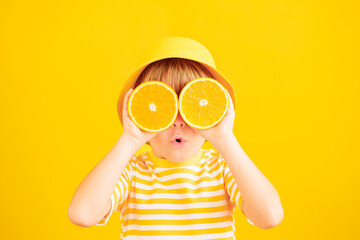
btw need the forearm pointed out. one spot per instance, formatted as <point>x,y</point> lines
<point>95,190</point>
<point>261,198</point>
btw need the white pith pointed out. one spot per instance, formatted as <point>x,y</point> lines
<point>152,107</point>
<point>203,102</point>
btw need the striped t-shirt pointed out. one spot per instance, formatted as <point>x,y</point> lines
<point>158,199</point>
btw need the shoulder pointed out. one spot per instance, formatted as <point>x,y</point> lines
<point>140,158</point>
<point>213,156</point>
<point>210,153</point>
<point>213,153</point>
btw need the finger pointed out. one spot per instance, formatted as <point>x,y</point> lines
<point>126,100</point>
<point>231,105</point>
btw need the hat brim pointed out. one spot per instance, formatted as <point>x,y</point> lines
<point>130,83</point>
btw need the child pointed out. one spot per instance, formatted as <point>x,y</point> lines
<point>177,190</point>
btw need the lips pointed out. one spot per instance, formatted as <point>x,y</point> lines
<point>178,142</point>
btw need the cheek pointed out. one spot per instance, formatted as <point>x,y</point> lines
<point>160,138</point>
<point>194,135</point>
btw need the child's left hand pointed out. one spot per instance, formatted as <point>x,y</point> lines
<point>223,129</point>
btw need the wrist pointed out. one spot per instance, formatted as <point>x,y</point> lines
<point>129,140</point>
<point>222,140</point>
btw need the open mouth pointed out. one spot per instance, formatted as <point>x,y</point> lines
<point>178,142</point>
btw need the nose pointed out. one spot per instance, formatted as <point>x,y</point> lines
<point>179,122</point>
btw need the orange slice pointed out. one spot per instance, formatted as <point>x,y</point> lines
<point>203,103</point>
<point>153,106</point>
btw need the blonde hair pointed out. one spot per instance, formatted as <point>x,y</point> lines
<point>176,72</point>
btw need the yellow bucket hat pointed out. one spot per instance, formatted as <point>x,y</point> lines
<point>174,47</point>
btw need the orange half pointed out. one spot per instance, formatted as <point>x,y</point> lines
<point>153,106</point>
<point>203,103</point>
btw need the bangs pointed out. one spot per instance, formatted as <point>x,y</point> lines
<point>176,72</point>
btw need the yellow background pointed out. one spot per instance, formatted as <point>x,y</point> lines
<point>294,66</point>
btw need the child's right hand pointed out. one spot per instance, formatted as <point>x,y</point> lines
<point>130,129</point>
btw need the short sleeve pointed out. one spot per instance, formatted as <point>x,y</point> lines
<point>121,190</point>
<point>231,188</point>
